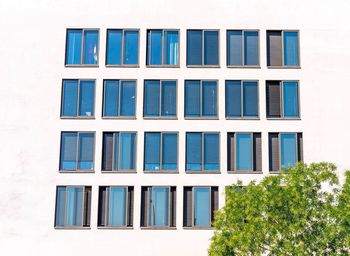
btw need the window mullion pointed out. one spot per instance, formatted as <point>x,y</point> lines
<point>83,208</point>
<point>119,148</point>
<point>161,152</point>
<point>201,98</point>
<point>282,99</point>
<point>160,97</point>
<point>78,98</point>
<point>77,151</point>
<point>119,96</point>
<point>192,205</point>
<point>243,48</point>
<point>122,49</point>
<point>242,98</point>
<point>113,146</point>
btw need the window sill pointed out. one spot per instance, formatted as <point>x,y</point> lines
<point>72,228</point>
<point>77,171</point>
<point>160,172</point>
<point>283,118</point>
<point>283,67</point>
<point>116,228</point>
<point>131,171</point>
<point>122,66</point>
<point>203,172</point>
<point>198,228</point>
<point>158,228</point>
<point>81,65</point>
<point>245,172</point>
<point>203,66</point>
<point>243,118</point>
<point>160,118</point>
<point>78,117</point>
<point>201,118</point>
<point>119,117</point>
<point>162,66</point>
<point>245,66</point>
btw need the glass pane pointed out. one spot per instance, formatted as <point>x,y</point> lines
<point>114,47</point>
<point>152,151</point>
<point>233,98</point>
<point>290,99</point>
<point>74,212</point>
<point>169,148</point>
<point>70,97</point>
<point>288,150</point>
<point>73,51</point>
<point>131,47</point>
<point>250,99</point>
<point>291,48</point>
<point>156,47</point>
<point>194,47</point>
<point>68,151</point>
<point>192,98</point>
<point>60,206</point>
<point>116,151</point>
<point>127,151</point>
<point>168,98</point>
<point>171,47</point>
<point>193,151</point>
<point>90,46</point>
<point>244,152</point>
<point>234,47</point>
<point>86,151</point>
<point>86,98</point>
<point>159,207</point>
<point>211,48</point>
<point>209,98</point>
<point>201,207</point>
<point>127,104</point>
<point>117,207</point>
<point>251,48</point>
<point>211,152</point>
<point>111,105</point>
<point>151,98</point>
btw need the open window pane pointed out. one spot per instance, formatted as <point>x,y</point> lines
<point>151,98</point>
<point>127,98</point>
<point>68,151</point>
<point>114,47</point>
<point>291,48</point>
<point>209,97</point>
<point>244,152</point>
<point>152,151</point>
<point>127,151</point>
<point>169,154</point>
<point>290,99</point>
<point>194,47</point>
<point>234,48</point>
<point>70,97</point>
<point>131,45</point>
<point>233,98</point>
<point>117,206</point>
<point>250,99</point>
<point>74,210</point>
<point>86,151</point>
<point>211,48</point>
<point>192,98</point>
<point>274,48</point>
<point>90,46</point>
<point>86,98</point>
<point>73,47</point>
<point>288,150</point>
<point>171,47</point>
<point>111,98</point>
<point>211,151</point>
<point>193,151</point>
<point>107,151</point>
<point>251,48</point>
<point>201,207</point>
<point>168,98</point>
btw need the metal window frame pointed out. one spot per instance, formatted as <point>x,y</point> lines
<point>150,200</point>
<point>193,208</point>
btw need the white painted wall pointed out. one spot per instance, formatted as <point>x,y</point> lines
<point>32,45</point>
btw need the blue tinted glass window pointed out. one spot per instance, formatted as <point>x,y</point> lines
<point>86,98</point>
<point>127,151</point>
<point>201,207</point>
<point>68,151</point>
<point>290,99</point>
<point>192,98</point>
<point>211,48</point>
<point>233,98</point>
<point>251,48</point>
<point>193,151</point>
<point>117,206</point>
<point>111,98</point>
<point>171,47</point>
<point>114,47</point>
<point>169,151</point>
<point>60,206</point>
<point>86,151</point>
<point>288,150</point>
<point>152,151</point>
<point>73,47</point>
<point>250,99</point>
<point>127,98</point>
<point>70,98</point>
<point>209,105</point>
<point>291,48</point>
<point>244,152</point>
<point>152,98</point>
<point>154,55</point>
<point>211,151</point>
<point>158,207</point>
<point>74,206</point>
<point>168,98</point>
<point>131,47</point>
<point>194,47</point>
<point>90,47</point>
<point>234,47</point>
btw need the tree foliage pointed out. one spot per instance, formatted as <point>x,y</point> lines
<point>301,211</point>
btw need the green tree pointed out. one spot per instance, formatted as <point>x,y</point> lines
<point>301,211</point>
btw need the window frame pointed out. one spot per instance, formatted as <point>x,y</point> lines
<point>122,65</point>
<point>283,66</point>
<point>134,117</point>
<point>65,207</point>
<point>160,100</point>
<point>243,48</point>
<point>161,170</point>
<point>113,146</point>
<point>202,171</point>
<point>281,86</point>
<point>78,99</point>
<point>77,153</point>
<point>163,65</point>
<point>242,117</point>
<point>203,46</point>
<point>82,48</point>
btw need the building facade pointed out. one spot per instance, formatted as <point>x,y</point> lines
<point>125,121</point>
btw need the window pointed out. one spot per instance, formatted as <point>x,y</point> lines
<point>202,151</point>
<point>200,99</point>
<point>77,151</point>
<point>200,206</point>
<point>242,99</point>
<point>242,48</point>
<point>82,47</point>
<point>78,98</point>
<point>160,152</point>
<point>244,152</point>
<point>282,99</point>
<point>73,206</point>
<point>119,98</point>
<point>122,47</point>
<point>119,151</point>
<point>158,207</point>
<point>159,98</point>
<point>285,150</point>
<point>115,206</point>
<point>282,48</point>
<point>202,47</point>
<point>162,47</point>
